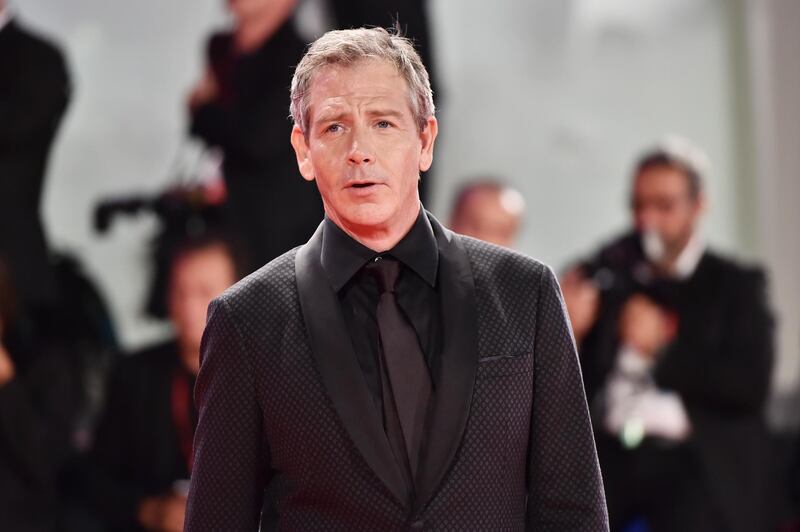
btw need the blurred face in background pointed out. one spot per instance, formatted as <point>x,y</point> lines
<point>363,146</point>
<point>664,207</point>
<point>490,214</point>
<point>197,277</point>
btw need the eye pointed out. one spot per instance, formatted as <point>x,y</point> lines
<point>384,124</point>
<point>333,128</point>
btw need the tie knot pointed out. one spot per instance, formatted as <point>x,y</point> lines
<point>385,271</point>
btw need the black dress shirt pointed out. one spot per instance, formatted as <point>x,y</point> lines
<point>344,258</point>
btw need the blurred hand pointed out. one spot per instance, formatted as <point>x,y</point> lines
<point>6,366</point>
<point>205,91</point>
<point>582,300</point>
<point>644,326</point>
<point>163,514</point>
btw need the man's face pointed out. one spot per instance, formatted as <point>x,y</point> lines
<point>662,203</point>
<point>363,146</point>
<point>196,278</point>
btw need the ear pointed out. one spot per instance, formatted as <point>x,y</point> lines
<point>428,138</point>
<point>701,204</point>
<point>302,153</point>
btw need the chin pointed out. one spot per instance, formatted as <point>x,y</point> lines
<point>369,215</point>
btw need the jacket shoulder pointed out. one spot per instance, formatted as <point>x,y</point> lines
<point>262,304</point>
<point>492,262</point>
<point>273,283</point>
<point>733,270</point>
<point>36,46</point>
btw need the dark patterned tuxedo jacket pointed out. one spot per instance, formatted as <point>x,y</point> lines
<point>283,402</point>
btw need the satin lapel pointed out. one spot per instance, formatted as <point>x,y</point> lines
<point>335,357</point>
<point>458,364</point>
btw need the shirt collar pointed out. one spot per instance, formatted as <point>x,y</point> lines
<point>687,261</point>
<point>343,256</point>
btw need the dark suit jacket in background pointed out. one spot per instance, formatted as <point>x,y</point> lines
<point>38,409</point>
<point>136,452</point>
<point>282,400</point>
<point>720,365</point>
<point>34,91</point>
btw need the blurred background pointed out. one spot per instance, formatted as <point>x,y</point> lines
<point>556,99</point>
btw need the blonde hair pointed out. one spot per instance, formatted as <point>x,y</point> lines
<point>347,47</point>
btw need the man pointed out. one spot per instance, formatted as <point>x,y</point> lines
<point>141,459</point>
<point>676,344</point>
<point>488,210</point>
<point>389,374</point>
<point>34,93</point>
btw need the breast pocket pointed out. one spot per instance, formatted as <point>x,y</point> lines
<point>505,364</point>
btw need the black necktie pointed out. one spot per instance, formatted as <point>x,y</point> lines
<point>405,379</point>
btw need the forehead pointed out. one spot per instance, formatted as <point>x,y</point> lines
<point>661,179</point>
<point>366,81</point>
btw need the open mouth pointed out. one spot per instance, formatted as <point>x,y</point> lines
<point>364,184</point>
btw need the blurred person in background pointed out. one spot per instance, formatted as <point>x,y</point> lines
<point>39,401</point>
<point>34,92</point>
<point>240,106</point>
<point>142,454</point>
<point>488,210</point>
<point>676,345</point>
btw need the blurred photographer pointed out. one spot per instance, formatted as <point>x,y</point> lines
<point>676,346</point>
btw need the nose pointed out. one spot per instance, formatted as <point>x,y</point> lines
<point>360,150</point>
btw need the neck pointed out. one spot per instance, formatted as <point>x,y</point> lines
<point>252,32</point>
<point>669,264</point>
<point>379,238</point>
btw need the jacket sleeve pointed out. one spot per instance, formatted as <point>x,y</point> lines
<point>230,458</point>
<point>565,488</point>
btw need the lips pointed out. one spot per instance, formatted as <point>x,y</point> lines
<point>362,183</point>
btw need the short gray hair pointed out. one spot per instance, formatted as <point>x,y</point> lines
<point>347,47</point>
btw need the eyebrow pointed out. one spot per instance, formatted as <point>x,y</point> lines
<point>331,117</point>
<point>338,116</point>
<point>385,112</point>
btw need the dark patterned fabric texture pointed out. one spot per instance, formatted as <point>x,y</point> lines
<point>266,416</point>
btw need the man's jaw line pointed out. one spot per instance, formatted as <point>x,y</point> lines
<point>377,237</point>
